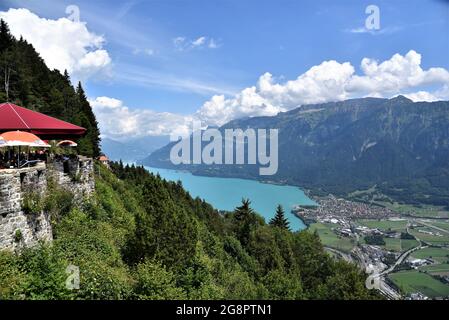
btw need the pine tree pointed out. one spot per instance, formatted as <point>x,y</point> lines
<point>93,133</point>
<point>6,39</point>
<point>243,212</point>
<point>279,220</point>
<point>245,221</point>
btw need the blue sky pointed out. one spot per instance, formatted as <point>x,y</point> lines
<point>242,40</point>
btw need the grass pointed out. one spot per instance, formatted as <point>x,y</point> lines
<point>438,254</point>
<point>422,211</point>
<point>329,238</point>
<point>399,245</point>
<point>442,268</point>
<point>384,224</point>
<point>407,244</point>
<point>393,244</point>
<point>431,239</point>
<point>415,281</point>
<point>442,225</point>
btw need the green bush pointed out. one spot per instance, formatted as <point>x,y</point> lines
<point>18,236</point>
<point>32,202</point>
<point>155,282</point>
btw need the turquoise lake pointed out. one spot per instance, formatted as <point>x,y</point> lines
<point>227,193</point>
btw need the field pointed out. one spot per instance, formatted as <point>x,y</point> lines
<point>442,225</point>
<point>407,244</point>
<point>329,238</point>
<point>440,269</point>
<point>434,239</point>
<point>423,211</point>
<point>384,224</point>
<point>415,281</point>
<point>437,254</point>
<point>397,245</point>
<point>392,244</point>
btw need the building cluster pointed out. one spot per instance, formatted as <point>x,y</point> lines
<point>342,210</point>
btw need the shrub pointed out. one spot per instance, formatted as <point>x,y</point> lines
<point>32,202</point>
<point>155,282</point>
<point>18,236</point>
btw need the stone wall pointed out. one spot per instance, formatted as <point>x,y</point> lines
<point>19,229</point>
<point>75,174</point>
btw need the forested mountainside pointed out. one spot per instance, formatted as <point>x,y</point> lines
<point>141,237</point>
<point>32,85</point>
<point>395,145</point>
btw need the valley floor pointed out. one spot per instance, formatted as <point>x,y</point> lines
<point>405,251</point>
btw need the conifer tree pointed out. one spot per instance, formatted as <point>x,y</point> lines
<point>279,220</point>
<point>6,39</point>
<point>245,220</point>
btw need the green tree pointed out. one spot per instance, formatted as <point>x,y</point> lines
<point>93,133</point>
<point>279,220</point>
<point>154,282</point>
<point>6,39</point>
<point>245,220</point>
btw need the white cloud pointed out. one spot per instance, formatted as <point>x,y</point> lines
<point>383,30</point>
<point>184,44</point>
<point>328,81</point>
<point>421,96</point>
<point>119,122</point>
<point>63,44</point>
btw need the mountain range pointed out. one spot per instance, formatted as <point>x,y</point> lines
<point>133,149</point>
<point>390,149</point>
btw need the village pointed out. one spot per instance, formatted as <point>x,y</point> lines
<point>397,250</point>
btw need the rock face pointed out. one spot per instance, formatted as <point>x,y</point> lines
<point>19,229</point>
<point>75,175</point>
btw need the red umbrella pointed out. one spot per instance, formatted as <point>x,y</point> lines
<point>21,138</point>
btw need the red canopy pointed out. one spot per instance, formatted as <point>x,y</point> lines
<point>13,117</point>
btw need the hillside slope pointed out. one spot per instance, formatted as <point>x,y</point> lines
<point>141,237</point>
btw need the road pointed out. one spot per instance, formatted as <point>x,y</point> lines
<point>401,258</point>
<point>347,257</point>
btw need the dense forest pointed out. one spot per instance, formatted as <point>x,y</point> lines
<point>26,81</point>
<point>141,237</point>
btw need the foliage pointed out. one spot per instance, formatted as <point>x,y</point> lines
<point>279,220</point>
<point>375,239</point>
<point>18,236</point>
<point>33,85</point>
<point>32,202</point>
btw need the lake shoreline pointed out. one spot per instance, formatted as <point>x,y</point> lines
<point>256,190</point>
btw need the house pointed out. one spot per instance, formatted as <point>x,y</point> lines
<point>104,160</point>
